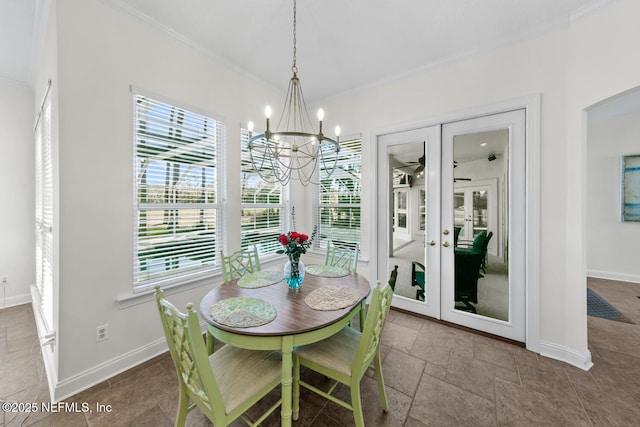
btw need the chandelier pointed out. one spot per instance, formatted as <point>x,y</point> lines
<point>293,149</point>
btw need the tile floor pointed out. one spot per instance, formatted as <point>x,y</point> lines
<point>436,375</point>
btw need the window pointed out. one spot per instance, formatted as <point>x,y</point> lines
<point>338,206</point>
<point>44,212</point>
<point>178,208</point>
<point>262,207</point>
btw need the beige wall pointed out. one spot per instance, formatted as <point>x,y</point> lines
<point>17,200</point>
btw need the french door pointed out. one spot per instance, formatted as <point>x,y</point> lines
<point>474,210</point>
<point>466,219</point>
<point>403,224</point>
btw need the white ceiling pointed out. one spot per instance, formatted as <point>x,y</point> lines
<point>18,25</point>
<point>342,45</point>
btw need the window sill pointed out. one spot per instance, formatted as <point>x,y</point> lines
<point>147,294</point>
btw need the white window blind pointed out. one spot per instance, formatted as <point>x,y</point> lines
<point>262,207</point>
<point>44,211</point>
<point>178,208</point>
<point>337,211</point>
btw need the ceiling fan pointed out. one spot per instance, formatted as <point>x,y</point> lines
<point>419,171</point>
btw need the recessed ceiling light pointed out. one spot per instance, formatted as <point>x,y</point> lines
<point>484,144</point>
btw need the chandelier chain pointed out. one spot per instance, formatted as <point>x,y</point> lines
<point>294,68</point>
<point>293,149</point>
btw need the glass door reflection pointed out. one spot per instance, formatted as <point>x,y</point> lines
<point>408,218</point>
<point>480,215</point>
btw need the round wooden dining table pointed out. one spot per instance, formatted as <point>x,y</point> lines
<point>295,323</point>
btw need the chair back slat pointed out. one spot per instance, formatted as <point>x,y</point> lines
<point>370,340</point>
<point>240,263</point>
<point>343,255</point>
<point>188,351</point>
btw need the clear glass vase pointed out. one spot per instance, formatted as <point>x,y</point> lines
<point>294,273</point>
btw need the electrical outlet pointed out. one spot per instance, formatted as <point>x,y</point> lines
<point>102,333</point>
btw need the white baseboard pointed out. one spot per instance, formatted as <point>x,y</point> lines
<point>82,381</point>
<point>612,275</point>
<point>14,300</point>
<point>567,355</point>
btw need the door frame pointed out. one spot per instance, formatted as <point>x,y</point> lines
<point>531,105</point>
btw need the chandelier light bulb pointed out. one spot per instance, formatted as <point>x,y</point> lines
<point>267,112</point>
<point>320,114</point>
<point>337,130</point>
<point>250,126</point>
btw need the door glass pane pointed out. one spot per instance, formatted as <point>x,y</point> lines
<point>400,212</point>
<point>459,216</point>
<point>423,210</point>
<point>408,205</point>
<point>481,273</point>
<point>479,212</point>
<point>402,220</point>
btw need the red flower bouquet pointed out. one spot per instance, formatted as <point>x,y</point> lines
<point>295,244</point>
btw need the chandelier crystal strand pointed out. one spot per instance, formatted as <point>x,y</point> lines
<point>293,149</point>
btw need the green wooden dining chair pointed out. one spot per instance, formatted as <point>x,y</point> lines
<point>239,263</point>
<point>346,356</point>
<point>342,254</point>
<point>224,385</point>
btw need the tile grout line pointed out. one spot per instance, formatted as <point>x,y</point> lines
<point>584,410</point>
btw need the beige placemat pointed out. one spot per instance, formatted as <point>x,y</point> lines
<point>332,297</point>
<point>243,312</point>
<point>327,270</point>
<point>260,279</point>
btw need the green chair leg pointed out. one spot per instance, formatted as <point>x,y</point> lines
<point>183,407</point>
<point>382,392</point>
<point>356,403</point>
<point>210,341</point>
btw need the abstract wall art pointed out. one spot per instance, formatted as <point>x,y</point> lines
<point>630,192</point>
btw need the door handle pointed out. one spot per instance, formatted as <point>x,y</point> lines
<point>445,244</point>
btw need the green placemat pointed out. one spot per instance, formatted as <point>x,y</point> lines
<point>327,270</point>
<point>243,312</point>
<point>260,279</point>
<point>332,298</point>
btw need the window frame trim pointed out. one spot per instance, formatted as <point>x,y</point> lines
<point>319,244</point>
<point>188,279</point>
